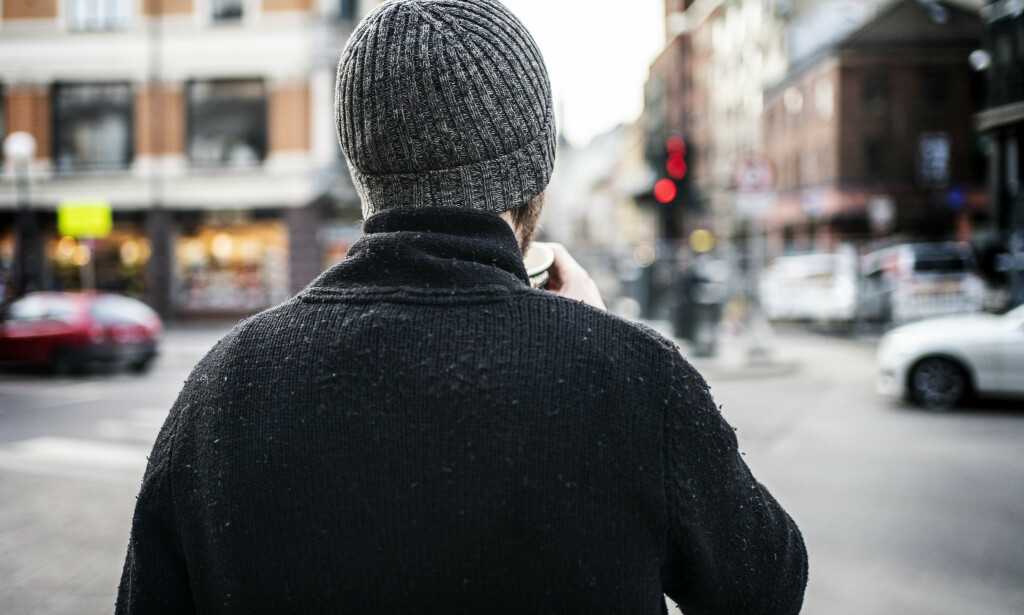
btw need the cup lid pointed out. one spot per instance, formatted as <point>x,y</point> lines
<point>538,258</point>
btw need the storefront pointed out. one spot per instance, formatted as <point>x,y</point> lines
<point>7,251</point>
<point>115,263</point>
<point>229,266</point>
<point>221,263</point>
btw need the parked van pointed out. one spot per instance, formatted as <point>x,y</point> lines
<point>912,281</point>
<point>818,287</point>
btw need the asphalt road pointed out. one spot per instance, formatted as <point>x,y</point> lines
<point>905,512</point>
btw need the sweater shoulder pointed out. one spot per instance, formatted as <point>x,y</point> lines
<point>262,334</point>
<point>636,336</point>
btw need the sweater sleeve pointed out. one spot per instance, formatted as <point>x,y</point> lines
<point>733,550</point>
<point>155,579</point>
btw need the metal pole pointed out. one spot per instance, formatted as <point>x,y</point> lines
<point>158,219</point>
<point>28,262</point>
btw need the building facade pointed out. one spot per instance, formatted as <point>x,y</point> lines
<point>872,136</point>
<point>739,48</point>
<point>207,126</point>
<point>1001,122</point>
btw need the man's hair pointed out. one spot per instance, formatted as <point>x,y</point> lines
<point>525,217</point>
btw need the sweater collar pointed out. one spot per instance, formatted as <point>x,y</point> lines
<point>431,247</point>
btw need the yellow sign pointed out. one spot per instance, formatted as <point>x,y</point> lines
<point>84,218</point>
<point>701,240</point>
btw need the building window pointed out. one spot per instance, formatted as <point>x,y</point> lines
<point>347,10</point>
<point>97,14</point>
<point>824,99</point>
<point>227,123</point>
<point>92,126</point>
<point>934,89</point>
<point>227,10</point>
<point>876,92</point>
<point>934,154</point>
<point>874,158</point>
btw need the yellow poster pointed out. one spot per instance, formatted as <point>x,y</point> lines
<point>84,218</point>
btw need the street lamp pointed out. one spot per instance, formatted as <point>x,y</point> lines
<point>19,148</point>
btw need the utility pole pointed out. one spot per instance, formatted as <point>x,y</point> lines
<point>158,219</point>
<point>20,147</point>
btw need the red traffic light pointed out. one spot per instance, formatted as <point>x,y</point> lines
<point>675,145</point>
<point>676,166</point>
<point>665,190</point>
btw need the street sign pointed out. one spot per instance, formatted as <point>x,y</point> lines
<point>754,173</point>
<point>754,177</point>
<point>882,213</point>
<point>84,218</point>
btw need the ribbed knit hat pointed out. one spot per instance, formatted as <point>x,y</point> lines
<point>445,103</point>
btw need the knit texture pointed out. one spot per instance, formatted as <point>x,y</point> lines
<point>445,103</point>
<point>420,432</point>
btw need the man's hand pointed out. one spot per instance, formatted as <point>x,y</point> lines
<point>569,280</point>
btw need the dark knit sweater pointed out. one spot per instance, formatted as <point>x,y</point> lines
<point>418,431</point>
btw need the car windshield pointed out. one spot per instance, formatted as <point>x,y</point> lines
<point>113,309</point>
<point>940,258</point>
<point>41,307</point>
<point>940,264</point>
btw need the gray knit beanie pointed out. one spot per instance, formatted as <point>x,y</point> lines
<point>445,103</point>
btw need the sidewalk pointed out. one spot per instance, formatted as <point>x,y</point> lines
<point>738,356</point>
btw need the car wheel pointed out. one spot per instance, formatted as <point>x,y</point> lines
<point>938,383</point>
<point>64,364</point>
<point>142,365</point>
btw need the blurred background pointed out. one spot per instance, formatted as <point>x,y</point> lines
<point>794,190</point>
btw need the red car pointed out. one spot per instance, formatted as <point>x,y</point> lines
<point>68,331</point>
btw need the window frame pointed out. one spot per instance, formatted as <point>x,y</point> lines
<point>104,22</point>
<point>226,18</point>
<point>61,121</point>
<point>193,110</point>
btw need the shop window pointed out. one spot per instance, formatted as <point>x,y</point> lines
<point>97,14</point>
<point>227,10</point>
<point>227,123</point>
<point>92,126</point>
<point>116,262</point>
<point>231,267</point>
<point>876,92</point>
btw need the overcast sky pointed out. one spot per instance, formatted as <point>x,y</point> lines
<point>597,52</point>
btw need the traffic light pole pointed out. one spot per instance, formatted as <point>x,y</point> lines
<point>27,278</point>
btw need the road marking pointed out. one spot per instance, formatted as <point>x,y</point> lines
<point>77,452</point>
<point>143,425</point>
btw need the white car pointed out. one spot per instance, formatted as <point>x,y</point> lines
<point>937,362</point>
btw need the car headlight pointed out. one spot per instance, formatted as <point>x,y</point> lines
<point>894,346</point>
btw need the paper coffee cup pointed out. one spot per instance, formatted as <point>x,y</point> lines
<point>538,259</point>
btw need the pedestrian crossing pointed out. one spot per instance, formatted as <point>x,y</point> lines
<point>118,450</point>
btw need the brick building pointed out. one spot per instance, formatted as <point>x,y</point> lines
<point>707,86</point>
<point>207,126</point>
<point>872,136</point>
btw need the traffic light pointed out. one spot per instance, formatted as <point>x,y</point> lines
<point>668,188</point>
<point>675,164</point>
<point>665,190</point>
